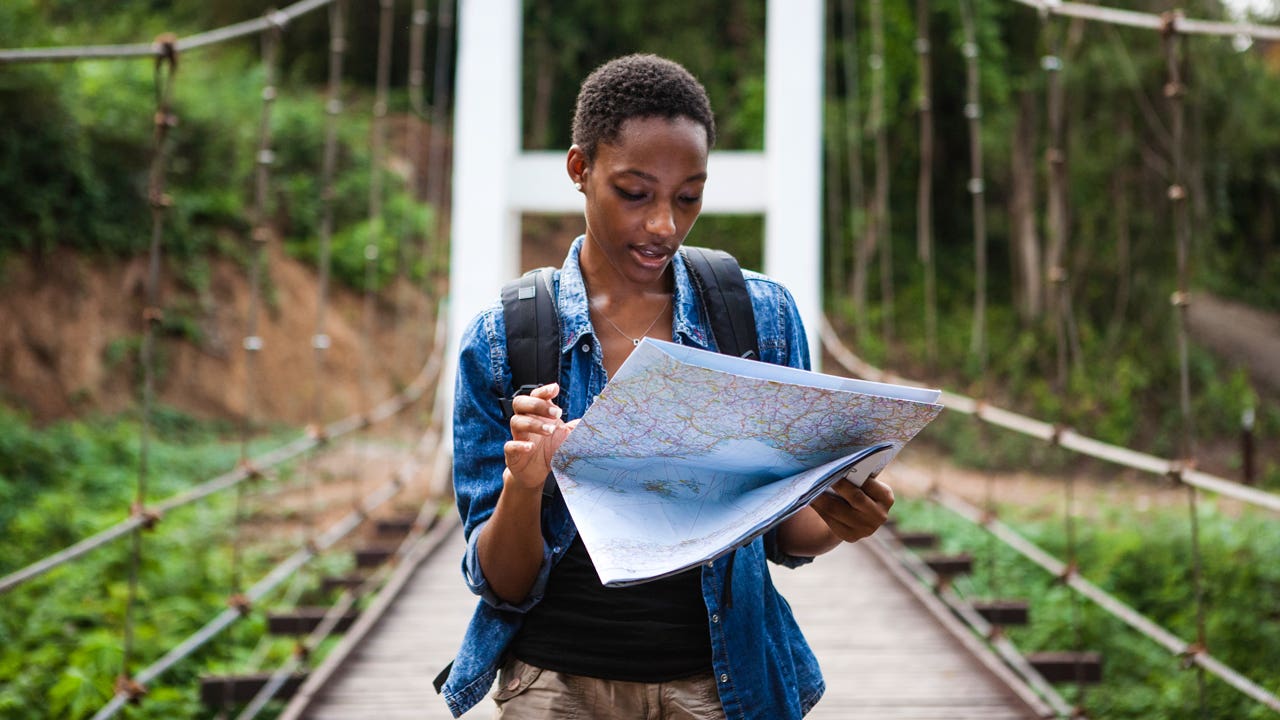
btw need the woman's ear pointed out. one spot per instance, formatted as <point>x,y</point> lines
<point>576,164</point>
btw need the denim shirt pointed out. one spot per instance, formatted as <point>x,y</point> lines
<point>762,664</point>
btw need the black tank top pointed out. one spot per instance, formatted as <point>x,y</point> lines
<point>652,632</point>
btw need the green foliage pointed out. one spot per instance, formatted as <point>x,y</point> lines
<point>61,634</point>
<point>1143,556</point>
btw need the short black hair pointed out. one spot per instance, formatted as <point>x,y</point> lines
<point>639,85</point>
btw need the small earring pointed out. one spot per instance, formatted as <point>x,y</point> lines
<point>577,186</point>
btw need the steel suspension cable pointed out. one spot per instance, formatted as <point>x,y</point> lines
<point>1112,605</point>
<point>437,148</point>
<point>883,243</point>
<point>976,185</point>
<point>417,112</point>
<point>427,379</point>
<point>166,66</point>
<point>1175,92</point>
<point>853,148</point>
<point>378,147</point>
<point>320,340</point>
<point>924,191</point>
<point>279,18</point>
<point>1149,21</point>
<point>833,159</point>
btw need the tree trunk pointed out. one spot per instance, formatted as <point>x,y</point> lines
<point>1028,278</point>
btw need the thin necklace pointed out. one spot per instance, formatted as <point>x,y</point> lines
<point>636,340</point>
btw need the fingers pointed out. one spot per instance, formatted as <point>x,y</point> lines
<point>853,513</point>
<point>538,402</point>
<point>535,414</point>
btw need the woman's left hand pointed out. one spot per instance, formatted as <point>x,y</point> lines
<point>853,512</point>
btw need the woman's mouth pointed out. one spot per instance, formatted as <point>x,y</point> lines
<point>651,256</point>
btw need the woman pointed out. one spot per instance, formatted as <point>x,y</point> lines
<point>565,645</point>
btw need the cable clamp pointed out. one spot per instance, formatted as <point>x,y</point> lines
<point>1190,652</point>
<point>251,471</point>
<point>1169,22</point>
<point>252,343</point>
<point>1180,298</point>
<point>1177,193</point>
<point>321,341</point>
<point>166,46</point>
<point>921,46</point>
<point>278,19</point>
<point>129,687</point>
<point>160,200</point>
<point>1070,570</point>
<point>152,315</point>
<point>318,433</point>
<point>1055,437</point>
<point>149,518</point>
<point>240,603</point>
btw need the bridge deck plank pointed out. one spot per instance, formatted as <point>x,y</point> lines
<point>882,653</point>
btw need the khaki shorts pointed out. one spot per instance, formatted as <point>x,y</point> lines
<point>527,692</point>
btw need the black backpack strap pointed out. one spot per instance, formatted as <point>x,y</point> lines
<point>724,291</point>
<point>533,332</point>
<point>533,339</point>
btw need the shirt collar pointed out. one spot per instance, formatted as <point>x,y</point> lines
<point>688,326</point>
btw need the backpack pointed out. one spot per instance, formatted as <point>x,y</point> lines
<point>533,323</point>
<point>533,334</point>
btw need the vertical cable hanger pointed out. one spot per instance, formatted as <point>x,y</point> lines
<point>166,67</point>
<point>976,187</point>
<point>416,126</point>
<point>1175,93</point>
<point>924,195</point>
<point>260,236</point>
<point>853,141</point>
<point>376,220</point>
<point>437,144</point>
<point>833,160</point>
<point>881,213</point>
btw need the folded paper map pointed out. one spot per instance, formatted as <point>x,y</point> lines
<point>688,454</point>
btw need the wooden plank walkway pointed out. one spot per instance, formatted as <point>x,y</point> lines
<point>883,654</point>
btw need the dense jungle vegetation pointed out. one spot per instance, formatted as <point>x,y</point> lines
<point>76,142</point>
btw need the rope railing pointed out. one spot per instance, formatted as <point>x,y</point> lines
<point>296,561</point>
<point>1194,652</point>
<point>347,599</point>
<point>1150,21</point>
<point>384,410</point>
<point>277,19</point>
<point>1064,437</point>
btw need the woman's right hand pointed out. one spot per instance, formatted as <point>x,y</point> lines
<point>537,432</point>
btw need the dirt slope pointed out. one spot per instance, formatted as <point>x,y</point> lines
<point>70,329</point>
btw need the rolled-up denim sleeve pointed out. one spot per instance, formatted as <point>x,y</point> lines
<point>479,432</point>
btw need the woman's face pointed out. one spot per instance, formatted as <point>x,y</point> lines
<point>643,194</point>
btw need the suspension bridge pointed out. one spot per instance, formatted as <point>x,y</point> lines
<point>895,632</point>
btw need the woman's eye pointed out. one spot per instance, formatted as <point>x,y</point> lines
<point>691,198</point>
<point>629,195</point>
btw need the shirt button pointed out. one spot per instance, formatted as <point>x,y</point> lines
<point>724,678</point>
<point>710,564</point>
<point>715,618</point>
<point>555,549</point>
<point>586,347</point>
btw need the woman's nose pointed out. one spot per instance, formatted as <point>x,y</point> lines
<point>661,222</point>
